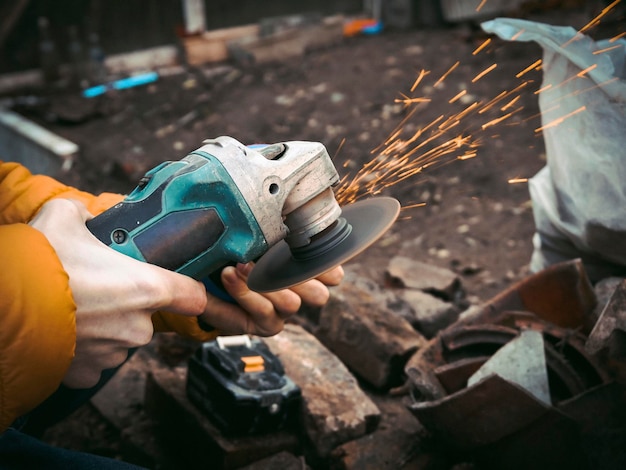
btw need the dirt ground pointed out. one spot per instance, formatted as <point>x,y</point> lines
<point>474,221</point>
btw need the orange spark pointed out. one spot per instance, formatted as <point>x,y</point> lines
<point>468,110</point>
<point>518,180</point>
<point>443,77</point>
<point>482,46</point>
<point>492,102</point>
<point>343,141</point>
<point>457,96</point>
<point>518,34</point>
<point>532,66</point>
<point>482,3</point>
<point>501,96</point>
<point>541,90</point>
<point>413,206</point>
<point>493,122</point>
<point>467,155</point>
<point>582,73</point>
<point>484,72</point>
<point>606,49</point>
<point>619,36</point>
<point>448,124</point>
<point>560,120</point>
<point>419,78</point>
<point>510,103</point>
<point>407,101</point>
<point>593,87</point>
<point>398,129</point>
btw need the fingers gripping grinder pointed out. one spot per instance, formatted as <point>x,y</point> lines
<point>225,203</point>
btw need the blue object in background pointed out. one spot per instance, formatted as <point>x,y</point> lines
<point>121,84</point>
<point>376,28</point>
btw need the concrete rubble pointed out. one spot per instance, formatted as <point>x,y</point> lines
<point>346,363</point>
<point>334,408</point>
<point>377,393</point>
<point>367,336</point>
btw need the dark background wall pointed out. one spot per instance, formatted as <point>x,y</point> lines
<point>127,25</point>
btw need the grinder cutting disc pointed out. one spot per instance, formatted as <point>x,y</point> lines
<point>359,225</point>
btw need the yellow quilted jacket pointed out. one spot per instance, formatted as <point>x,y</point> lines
<point>37,311</point>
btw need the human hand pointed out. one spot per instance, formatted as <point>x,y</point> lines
<point>264,314</point>
<point>115,295</point>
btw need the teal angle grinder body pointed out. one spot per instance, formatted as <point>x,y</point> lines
<point>226,203</point>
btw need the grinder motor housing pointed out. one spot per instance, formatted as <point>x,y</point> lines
<point>224,203</point>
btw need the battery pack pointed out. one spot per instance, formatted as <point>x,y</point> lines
<point>241,386</point>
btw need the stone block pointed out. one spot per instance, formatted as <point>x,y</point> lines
<point>428,314</point>
<point>120,402</point>
<point>334,408</point>
<point>411,274</point>
<point>371,340</point>
<point>395,444</point>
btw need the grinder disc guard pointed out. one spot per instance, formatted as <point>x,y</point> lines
<point>358,227</point>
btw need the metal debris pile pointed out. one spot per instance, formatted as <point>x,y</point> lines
<point>531,379</point>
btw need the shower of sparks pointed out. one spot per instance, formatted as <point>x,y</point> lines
<point>460,130</point>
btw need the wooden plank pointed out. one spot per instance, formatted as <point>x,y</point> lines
<point>212,46</point>
<point>288,43</point>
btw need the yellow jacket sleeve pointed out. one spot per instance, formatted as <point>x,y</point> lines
<point>37,327</point>
<point>37,310</point>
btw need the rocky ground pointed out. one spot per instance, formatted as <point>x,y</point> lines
<point>471,216</point>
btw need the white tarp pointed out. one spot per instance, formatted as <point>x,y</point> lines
<point>579,197</point>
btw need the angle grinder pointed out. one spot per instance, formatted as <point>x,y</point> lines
<point>226,203</point>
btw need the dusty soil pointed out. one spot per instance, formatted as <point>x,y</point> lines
<point>473,221</point>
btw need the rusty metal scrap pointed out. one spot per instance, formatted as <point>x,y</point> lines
<point>561,294</point>
<point>496,417</point>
